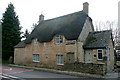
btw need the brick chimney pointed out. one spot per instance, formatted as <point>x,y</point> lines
<point>86,7</point>
<point>41,18</point>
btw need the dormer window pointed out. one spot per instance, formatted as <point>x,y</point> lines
<point>35,42</point>
<point>59,39</point>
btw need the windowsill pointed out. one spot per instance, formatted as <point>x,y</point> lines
<point>36,45</point>
<point>100,59</point>
<point>36,61</point>
<point>100,63</point>
<point>58,43</point>
<point>60,64</point>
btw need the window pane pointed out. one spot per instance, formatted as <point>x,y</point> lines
<point>62,60</point>
<point>61,39</point>
<point>58,39</point>
<point>35,42</point>
<point>59,59</point>
<point>35,57</point>
<point>99,55</point>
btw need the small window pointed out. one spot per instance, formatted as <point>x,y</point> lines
<point>35,42</point>
<point>59,39</point>
<point>60,59</point>
<point>70,42</point>
<point>100,54</point>
<point>36,58</point>
<point>44,44</point>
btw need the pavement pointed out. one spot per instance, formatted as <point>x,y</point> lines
<point>110,75</point>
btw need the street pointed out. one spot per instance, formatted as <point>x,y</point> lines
<point>22,73</point>
<point>15,73</point>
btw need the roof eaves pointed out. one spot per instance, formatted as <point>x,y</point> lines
<point>94,47</point>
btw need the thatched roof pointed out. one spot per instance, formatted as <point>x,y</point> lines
<point>70,26</point>
<point>20,45</point>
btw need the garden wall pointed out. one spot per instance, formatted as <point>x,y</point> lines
<point>91,68</point>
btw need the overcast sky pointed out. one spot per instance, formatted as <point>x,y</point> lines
<point>29,10</point>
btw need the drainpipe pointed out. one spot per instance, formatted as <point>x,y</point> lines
<point>108,63</point>
<point>76,56</point>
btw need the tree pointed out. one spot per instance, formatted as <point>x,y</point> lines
<point>10,32</point>
<point>34,25</point>
<point>108,25</point>
<point>26,34</point>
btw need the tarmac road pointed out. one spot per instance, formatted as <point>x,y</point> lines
<point>32,74</point>
<point>15,73</point>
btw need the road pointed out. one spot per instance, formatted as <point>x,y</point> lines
<point>15,73</point>
<point>29,74</point>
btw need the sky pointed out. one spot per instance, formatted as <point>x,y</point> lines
<point>29,10</point>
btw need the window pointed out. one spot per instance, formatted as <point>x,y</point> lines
<point>44,44</point>
<point>59,39</point>
<point>60,59</point>
<point>36,58</point>
<point>35,42</point>
<point>70,42</point>
<point>100,54</point>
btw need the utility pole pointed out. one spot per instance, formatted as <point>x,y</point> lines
<point>118,30</point>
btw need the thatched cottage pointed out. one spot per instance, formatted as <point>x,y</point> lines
<point>66,39</point>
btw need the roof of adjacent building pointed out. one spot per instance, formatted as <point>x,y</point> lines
<point>98,39</point>
<point>20,44</point>
<point>70,26</point>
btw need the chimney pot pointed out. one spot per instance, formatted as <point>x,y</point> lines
<point>86,7</point>
<point>41,17</point>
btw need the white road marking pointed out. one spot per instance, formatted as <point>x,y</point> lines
<point>10,76</point>
<point>8,69</point>
<point>4,77</point>
<point>1,76</point>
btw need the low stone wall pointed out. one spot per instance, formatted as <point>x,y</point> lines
<point>91,68</point>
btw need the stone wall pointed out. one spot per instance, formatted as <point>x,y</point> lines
<point>85,31</point>
<point>111,56</point>
<point>94,56</point>
<point>98,69</point>
<point>47,52</point>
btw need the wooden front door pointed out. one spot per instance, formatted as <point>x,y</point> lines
<point>70,57</point>
<point>88,58</point>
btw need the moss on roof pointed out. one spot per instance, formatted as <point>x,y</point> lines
<point>69,26</point>
<point>20,44</point>
<point>98,39</point>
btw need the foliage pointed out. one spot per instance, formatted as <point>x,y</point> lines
<point>26,34</point>
<point>10,32</point>
<point>5,62</point>
<point>108,25</point>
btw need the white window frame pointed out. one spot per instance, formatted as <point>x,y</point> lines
<point>70,41</point>
<point>44,44</point>
<point>60,59</point>
<point>58,39</point>
<point>35,42</point>
<point>35,56</point>
<point>98,53</point>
